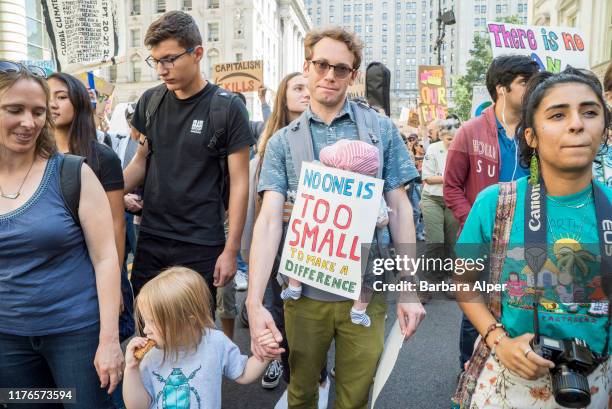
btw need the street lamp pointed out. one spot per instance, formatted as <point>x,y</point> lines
<point>445,18</point>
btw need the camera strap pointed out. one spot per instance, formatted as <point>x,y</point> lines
<point>536,243</point>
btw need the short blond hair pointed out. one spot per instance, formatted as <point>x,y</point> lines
<point>178,301</point>
<point>351,40</point>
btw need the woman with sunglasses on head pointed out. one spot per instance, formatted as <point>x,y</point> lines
<point>546,232</point>
<point>59,275</point>
<point>440,225</point>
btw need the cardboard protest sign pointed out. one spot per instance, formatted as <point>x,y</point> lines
<point>553,48</point>
<point>103,92</point>
<point>480,100</point>
<point>432,91</point>
<point>243,76</point>
<point>334,213</point>
<point>358,89</point>
<point>83,33</point>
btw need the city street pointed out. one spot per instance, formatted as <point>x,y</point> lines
<point>423,378</point>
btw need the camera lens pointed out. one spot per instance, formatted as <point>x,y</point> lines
<point>571,389</point>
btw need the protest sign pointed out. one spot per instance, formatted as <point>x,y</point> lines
<point>83,33</point>
<point>393,345</point>
<point>243,76</point>
<point>334,213</point>
<point>358,89</point>
<point>480,100</point>
<point>103,92</point>
<point>553,48</point>
<point>432,92</point>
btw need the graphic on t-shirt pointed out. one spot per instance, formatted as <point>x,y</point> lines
<point>197,125</point>
<point>176,393</point>
<point>566,283</point>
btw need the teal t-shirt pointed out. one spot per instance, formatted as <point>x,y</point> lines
<point>571,296</point>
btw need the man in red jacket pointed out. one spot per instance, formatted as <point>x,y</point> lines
<point>485,151</point>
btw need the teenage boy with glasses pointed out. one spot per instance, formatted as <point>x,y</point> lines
<point>183,211</point>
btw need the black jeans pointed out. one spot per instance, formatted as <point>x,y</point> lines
<point>155,253</point>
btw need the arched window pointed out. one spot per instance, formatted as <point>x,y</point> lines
<point>213,58</point>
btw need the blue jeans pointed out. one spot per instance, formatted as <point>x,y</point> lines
<point>54,361</point>
<point>414,195</point>
<point>241,264</point>
<point>466,340</point>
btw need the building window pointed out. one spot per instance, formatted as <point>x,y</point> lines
<point>384,49</point>
<point>346,19</point>
<point>135,36</point>
<point>369,7</point>
<point>135,10</point>
<point>357,18</point>
<point>398,5</point>
<point>213,4</point>
<point>160,6</point>
<point>384,28</point>
<point>347,8</point>
<point>498,8</point>
<point>136,70</point>
<point>213,31</point>
<point>238,57</point>
<point>356,7</point>
<point>331,9</point>
<point>187,5</point>
<point>384,16</point>
<point>213,58</point>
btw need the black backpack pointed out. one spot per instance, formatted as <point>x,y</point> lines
<point>70,184</point>
<point>378,82</point>
<point>218,120</point>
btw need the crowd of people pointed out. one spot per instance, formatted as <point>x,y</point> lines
<point>197,192</point>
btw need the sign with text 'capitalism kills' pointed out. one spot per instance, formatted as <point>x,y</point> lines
<point>432,93</point>
<point>83,33</point>
<point>553,48</point>
<point>242,76</point>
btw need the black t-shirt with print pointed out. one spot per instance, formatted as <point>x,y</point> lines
<point>182,196</point>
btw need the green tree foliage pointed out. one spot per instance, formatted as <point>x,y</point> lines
<point>480,59</point>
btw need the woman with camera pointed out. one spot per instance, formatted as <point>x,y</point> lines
<point>545,235</point>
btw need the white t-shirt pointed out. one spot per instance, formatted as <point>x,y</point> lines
<point>195,379</point>
<point>433,165</point>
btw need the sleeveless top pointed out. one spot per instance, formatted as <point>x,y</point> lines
<point>47,280</point>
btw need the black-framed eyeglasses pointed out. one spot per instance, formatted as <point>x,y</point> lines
<point>7,67</point>
<point>341,71</point>
<point>167,62</point>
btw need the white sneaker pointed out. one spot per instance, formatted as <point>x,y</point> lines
<point>323,397</point>
<point>324,394</point>
<point>282,402</point>
<point>241,280</point>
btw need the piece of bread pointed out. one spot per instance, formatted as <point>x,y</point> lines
<point>139,353</point>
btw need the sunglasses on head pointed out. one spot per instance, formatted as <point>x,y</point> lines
<point>10,67</point>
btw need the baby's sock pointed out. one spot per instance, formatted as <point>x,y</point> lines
<point>360,317</point>
<point>291,292</point>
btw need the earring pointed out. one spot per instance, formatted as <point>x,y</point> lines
<point>534,171</point>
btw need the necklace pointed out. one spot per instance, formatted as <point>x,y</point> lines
<point>14,196</point>
<point>578,234</point>
<point>573,206</point>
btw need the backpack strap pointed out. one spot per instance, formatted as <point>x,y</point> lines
<point>504,216</point>
<point>218,119</point>
<point>70,184</point>
<point>154,102</point>
<point>300,143</point>
<point>369,129</point>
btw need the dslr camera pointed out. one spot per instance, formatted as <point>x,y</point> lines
<point>574,361</point>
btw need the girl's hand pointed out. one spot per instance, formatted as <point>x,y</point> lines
<point>516,354</point>
<point>130,360</point>
<point>266,339</point>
